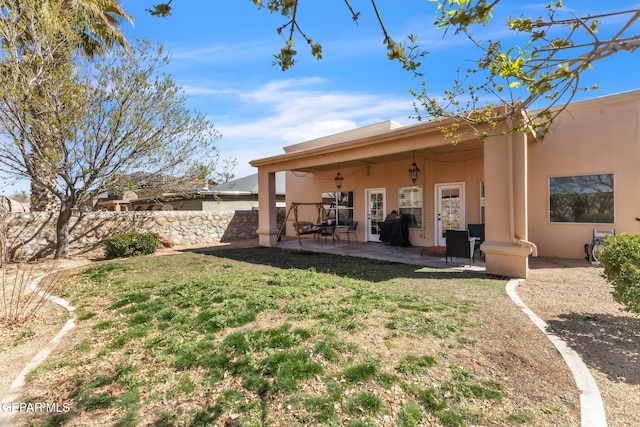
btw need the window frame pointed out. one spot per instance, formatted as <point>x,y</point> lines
<point>335,198</point>
<point>572,220</point>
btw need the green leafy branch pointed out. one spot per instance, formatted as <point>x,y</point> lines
<point>547,68</point>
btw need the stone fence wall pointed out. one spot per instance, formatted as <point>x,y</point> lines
<point>31,233</point>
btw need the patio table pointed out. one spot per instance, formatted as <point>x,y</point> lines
<point>326,229</point>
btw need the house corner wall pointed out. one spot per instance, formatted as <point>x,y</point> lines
<point>597,136</point>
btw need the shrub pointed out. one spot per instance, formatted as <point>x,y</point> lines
<point>131,244</point>
<point>620,258</point>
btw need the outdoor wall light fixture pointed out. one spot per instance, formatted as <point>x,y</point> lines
<point>339,179</point>
<point>414,172</point>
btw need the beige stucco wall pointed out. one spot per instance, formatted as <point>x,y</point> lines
<point>506,247</point>
<point>437,169</point>
<point>218,206</point>
<point>591,137</point>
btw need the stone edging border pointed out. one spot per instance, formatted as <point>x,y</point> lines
<point>592,412</point>
<point>17,387</point>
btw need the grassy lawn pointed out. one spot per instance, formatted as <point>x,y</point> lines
<point>257,336</point>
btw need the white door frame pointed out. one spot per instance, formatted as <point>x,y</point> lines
<point>369,235</point>
<point>439,239</point>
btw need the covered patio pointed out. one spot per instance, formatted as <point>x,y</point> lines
<point>366,172</point>
<point>414,255</point>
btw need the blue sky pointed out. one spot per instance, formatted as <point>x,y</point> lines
<point>222,56</point>
<point>222,53</point>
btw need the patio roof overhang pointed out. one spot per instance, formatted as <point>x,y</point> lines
<point>426,140</point>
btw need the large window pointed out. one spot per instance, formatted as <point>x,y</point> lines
<point>339,206</point>
<point>410,204</point>
<point>584,198</point>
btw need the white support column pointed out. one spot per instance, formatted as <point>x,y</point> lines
<point>267,214</point>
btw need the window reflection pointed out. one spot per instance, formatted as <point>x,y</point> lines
<point>410,204</point>
<point>339,206</point>
<point>585,199</point>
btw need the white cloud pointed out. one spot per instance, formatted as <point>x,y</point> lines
<point>279,113</point>
<point>205,91</point>
<point>221,53</point>
<point>295,112</point>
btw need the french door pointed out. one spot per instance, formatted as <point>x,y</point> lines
<point>376,208</point>
<point>449,210</point>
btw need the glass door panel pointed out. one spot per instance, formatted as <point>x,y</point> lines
<point>449,210</point>
<point>375,213</point>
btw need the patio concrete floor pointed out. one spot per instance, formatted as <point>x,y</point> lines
<point>375,250</point>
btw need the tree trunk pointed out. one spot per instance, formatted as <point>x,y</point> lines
<point>62,231</point>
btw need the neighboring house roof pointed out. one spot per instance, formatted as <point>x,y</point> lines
<point>248,185</point>
<point>245,186</point>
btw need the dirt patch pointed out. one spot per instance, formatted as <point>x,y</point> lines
<point>526,362</point>
<point>18,345</point>
<point>574,300</point>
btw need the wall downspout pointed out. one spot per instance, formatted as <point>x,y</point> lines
<point>512,226</point>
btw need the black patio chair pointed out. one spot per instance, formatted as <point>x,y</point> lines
<point>477,231</point>
<point>348,230</point>
<point>459,245</point>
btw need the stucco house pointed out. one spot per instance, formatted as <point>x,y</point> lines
<point>535,197</point>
